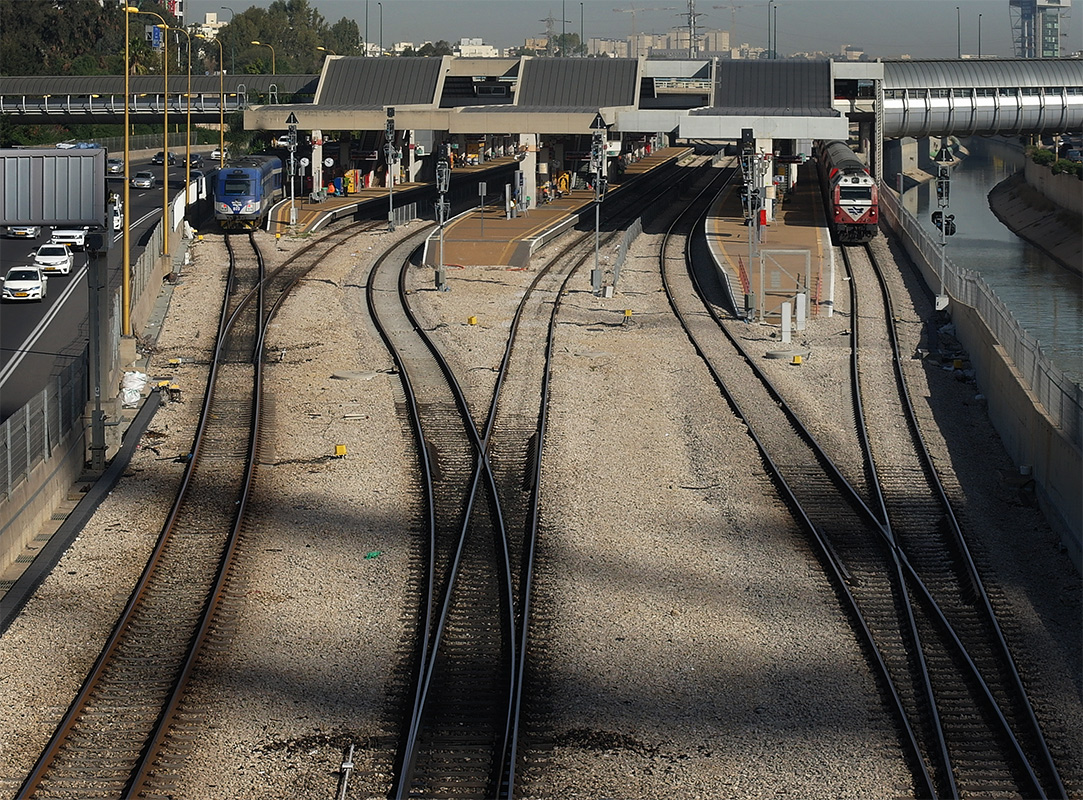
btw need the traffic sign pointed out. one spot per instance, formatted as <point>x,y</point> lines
<point>598,124</point>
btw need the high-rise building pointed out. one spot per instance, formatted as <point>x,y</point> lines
<point>1036,27</point>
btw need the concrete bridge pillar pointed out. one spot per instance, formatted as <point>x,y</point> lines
<point>317,160</point>
<point>528,147</point>
<point>900,155</point>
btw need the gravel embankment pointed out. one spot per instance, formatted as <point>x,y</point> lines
<point>690,645</point>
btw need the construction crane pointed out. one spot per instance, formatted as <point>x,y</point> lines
<point>733,22</point>
<point>635,31</point>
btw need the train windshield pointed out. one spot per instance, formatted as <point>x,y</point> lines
<point>855,194</point>
<point>237,187</point>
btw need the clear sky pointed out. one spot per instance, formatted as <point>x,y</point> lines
<point>883,28</point>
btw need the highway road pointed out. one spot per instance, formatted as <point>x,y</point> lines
<point>37,340</point>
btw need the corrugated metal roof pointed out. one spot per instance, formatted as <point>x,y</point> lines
<point>83,85</point>
<point>578,83</point>
<point>759,111</point>
<point>378,82</point>
<point>787,88</point>
<point>984,73</point>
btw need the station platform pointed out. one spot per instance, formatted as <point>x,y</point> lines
<point>479,237</point>
<point>494,240</point>
<point>312,214</point>
<point>794,254</point>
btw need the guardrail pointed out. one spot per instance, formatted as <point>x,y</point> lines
<point>1061,397</point>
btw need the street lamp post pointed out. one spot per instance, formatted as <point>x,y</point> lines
<point>325,50</point>
<point>264,44</point>
<point>979,35</point>
<point>165,131</point>
<point>126,268</point>
<point>232,45</point>
<point>221,102</point>
<point>958,34</point>
<point>381,5</point>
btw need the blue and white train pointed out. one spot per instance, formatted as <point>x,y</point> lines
<point>245,189</point>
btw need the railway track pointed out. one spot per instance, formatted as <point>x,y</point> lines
<point>481,478</point>
<point>115,739</point>
<point>960,741</point>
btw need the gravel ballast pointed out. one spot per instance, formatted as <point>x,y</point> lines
<point>689,642</point>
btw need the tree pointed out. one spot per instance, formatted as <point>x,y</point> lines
<point>440,48</point>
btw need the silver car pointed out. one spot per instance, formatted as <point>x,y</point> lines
<point>115,166</point>
<point>23,231</point>
<point>143,180</point>
<point>24,283</point>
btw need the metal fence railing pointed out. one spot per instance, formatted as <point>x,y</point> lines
<point>1061,397</point>
<point>30,435</point>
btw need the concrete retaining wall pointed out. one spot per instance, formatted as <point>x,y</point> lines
<point>1064,190</point>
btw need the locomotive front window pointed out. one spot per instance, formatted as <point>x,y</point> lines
<point>237,187</point>
<point>851,194</point>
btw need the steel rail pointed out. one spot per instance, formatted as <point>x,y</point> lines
<point>829,556</point>
<point>957,538</point>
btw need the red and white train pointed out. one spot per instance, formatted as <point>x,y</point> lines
<point>850,198</point>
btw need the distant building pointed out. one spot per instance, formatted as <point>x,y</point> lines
<point>1037,25</point>
<point>612,48</point>
<point>211,25</point>
<point>476,48</point>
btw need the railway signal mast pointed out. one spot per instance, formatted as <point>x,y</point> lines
<point>941,219</point>
<point>291,122</point>
<point>443,179</point>
<point>597,165</point>
<point>389,151</point>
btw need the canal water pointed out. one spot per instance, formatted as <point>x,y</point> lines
<point>1044,297</point>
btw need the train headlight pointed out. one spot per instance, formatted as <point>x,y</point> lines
<point>251,207</point>
<point>223,208</point>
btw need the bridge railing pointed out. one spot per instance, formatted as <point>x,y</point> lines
<point>1061,397</point>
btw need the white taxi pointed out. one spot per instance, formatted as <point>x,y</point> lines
<point>24,283</point>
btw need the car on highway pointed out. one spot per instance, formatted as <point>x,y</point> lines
<point>196,160</point>
<point>143,180</point>
<point>118,216</point>
<point>115,166</point>
<point>24,283</point>
<point>73,237</point>
<point>216,154</point>
<point>22,231</point>
<point>54,258</point>
<point>159,158</point>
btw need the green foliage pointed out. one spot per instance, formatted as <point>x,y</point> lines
<point>1064,166</point>
<point>1041,156</point>
<point>440,48</point>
